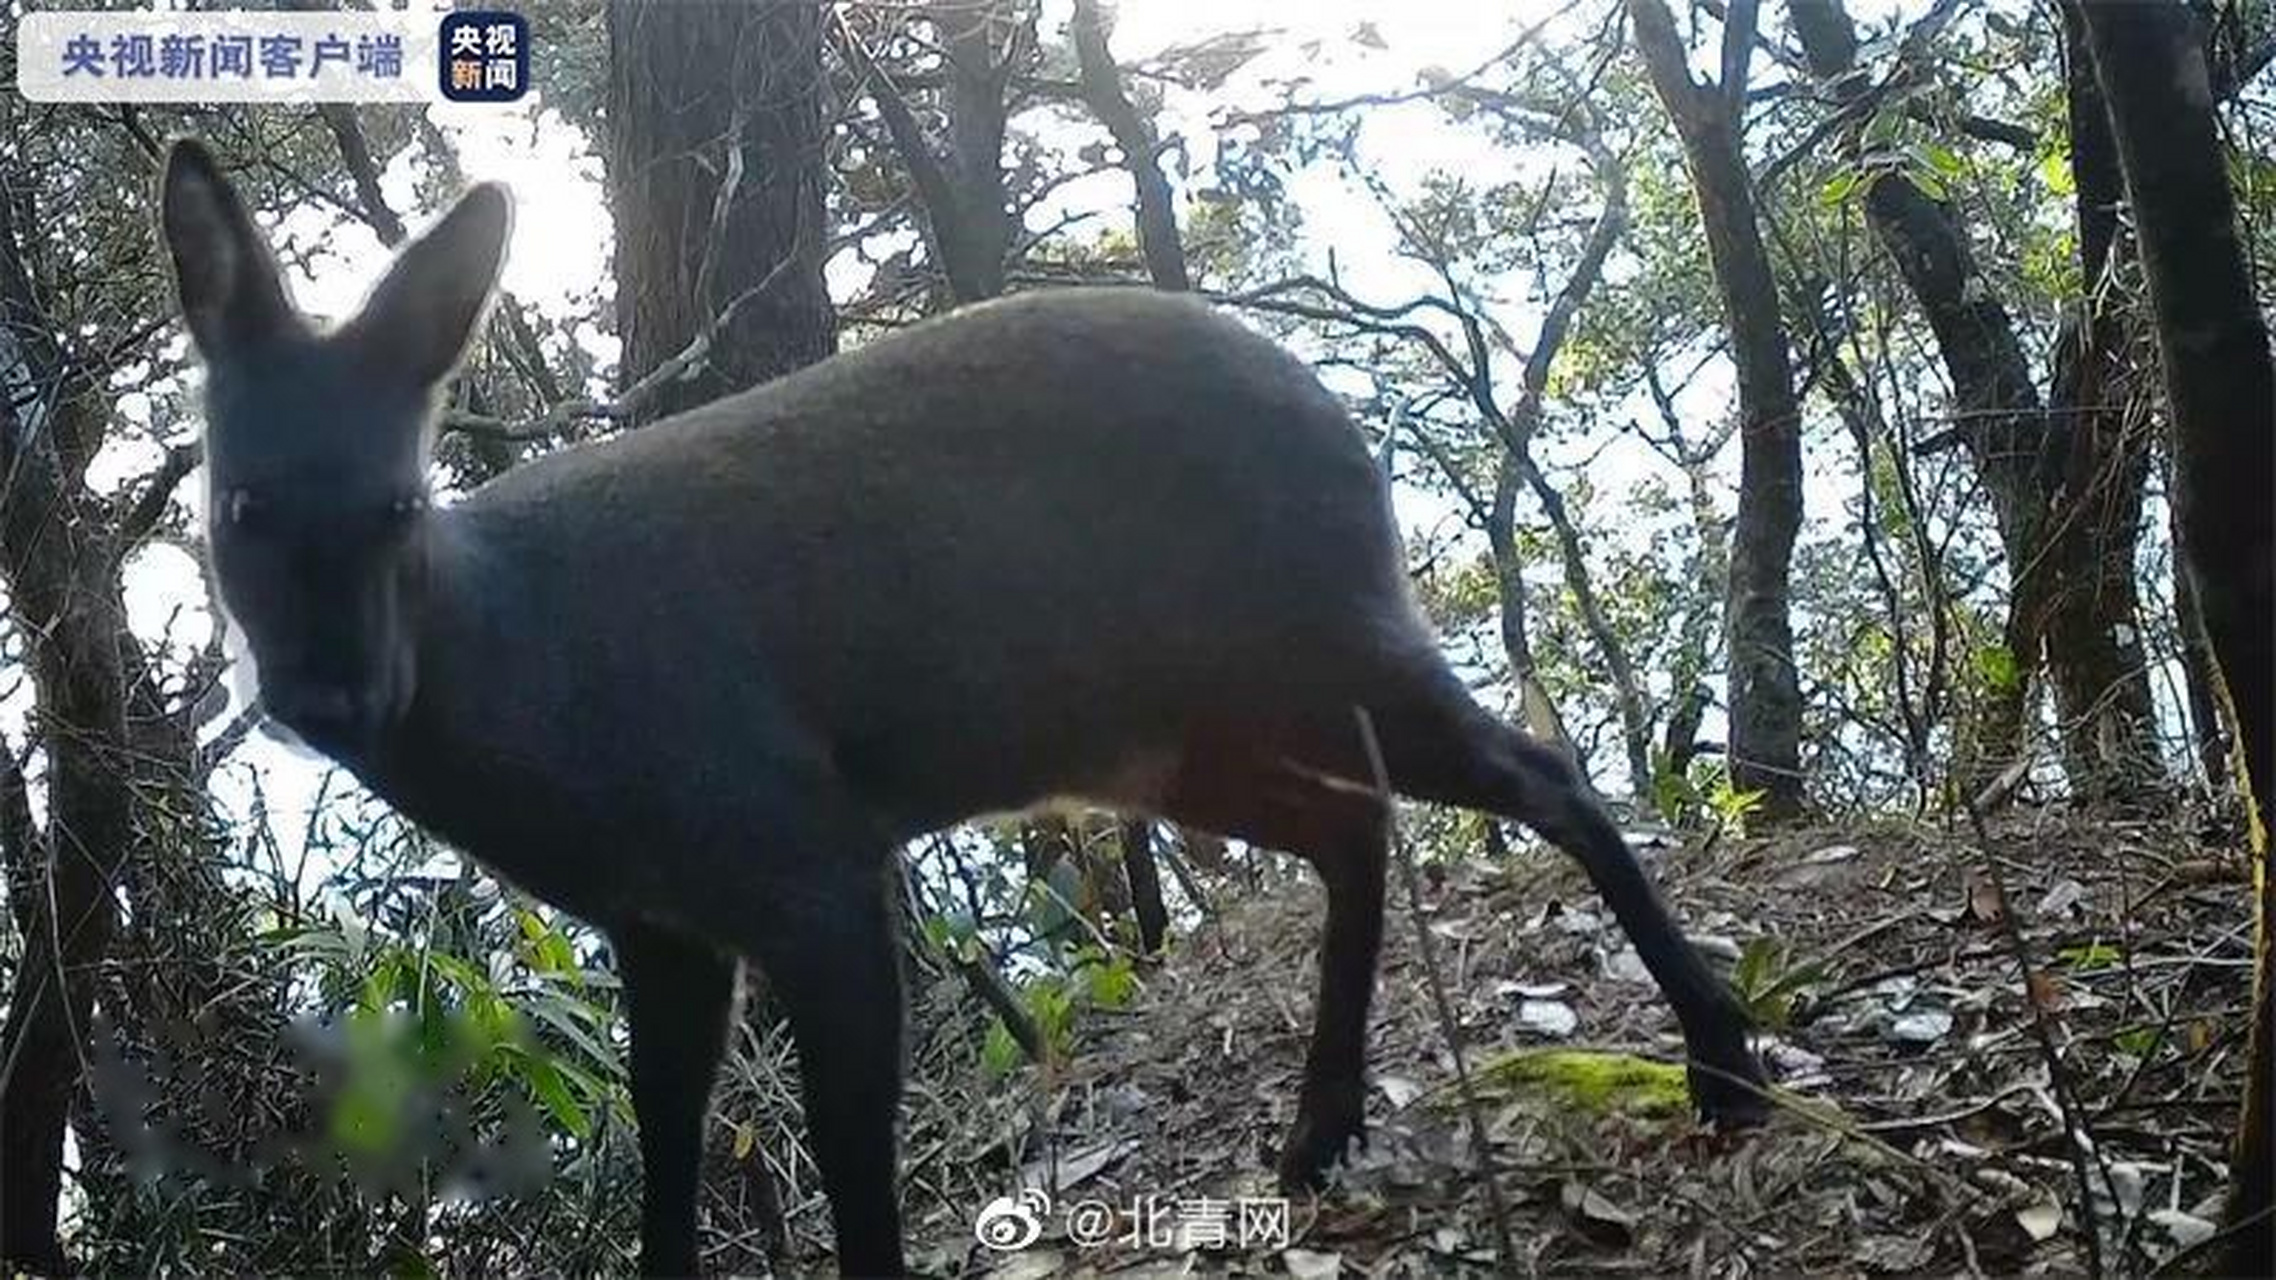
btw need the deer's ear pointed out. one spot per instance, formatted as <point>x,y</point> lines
<point>232,297</point>
<point>424,312</point>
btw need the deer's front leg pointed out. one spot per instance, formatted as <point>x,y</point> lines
<point>1269,785</point>
<point>678,992</point>
<point>1331,1111</point>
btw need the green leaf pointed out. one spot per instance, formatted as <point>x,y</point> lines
<point>2138,1041</point>
<point>1768,985</point>
<point>1000,1054</point>
<point>302,937</point>
<point>571,1020</point>
<point>1884,127</point>
<point>388,982</point>
<point>588,1086</point>
<point>550,1089</point>
<point>439,1033</point>
<point>1053,1010</point>
<point>1672,793</point>
<point>545,949</point>
<point>1944,160</point>
<point>2089,956</point>
<point>1733,805</point>
<point>458,973</point>
<point>1997,667</point>
<point>1111,985</point>
<point>491,1023</point>
<point>1756,960</point>
<point>2055,171</point>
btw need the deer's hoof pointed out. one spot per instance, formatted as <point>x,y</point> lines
<point>1325,1131</point>
<point>1731,1095</point>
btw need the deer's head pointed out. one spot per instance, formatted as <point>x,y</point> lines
<point>316,447</point>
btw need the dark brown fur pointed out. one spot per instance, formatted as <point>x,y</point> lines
<point>698,683</point>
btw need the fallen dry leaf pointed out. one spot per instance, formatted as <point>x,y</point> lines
<point>1985,904</point>
<point>2042,1218</point>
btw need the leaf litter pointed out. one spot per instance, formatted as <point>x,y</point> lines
<point>1920,1126</point>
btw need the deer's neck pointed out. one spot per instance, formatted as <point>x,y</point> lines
<point>425,762</point>
<point>489,755</point>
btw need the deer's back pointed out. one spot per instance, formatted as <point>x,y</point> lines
<point>1061,519</point>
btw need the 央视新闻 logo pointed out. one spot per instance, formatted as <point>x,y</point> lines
<point>484,56</point>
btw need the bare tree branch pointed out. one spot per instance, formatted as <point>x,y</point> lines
<point>687,363</point>
<point>157,494</point>
<point>355,154</point>
<point>1156,212</point>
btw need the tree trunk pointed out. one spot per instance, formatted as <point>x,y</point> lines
<point>2222,392</point>
<point>1688,695</point>
<point>57,563</point>
<point>2065,487</point>
<point>968,212</point>
<point>715,178</point>
<point>715,149</point>
<point>72,617</point>
<point>1765,700</point>
<point>985,40</point>
<point>1995,404</point>
<point>2091,469</point>
<point>1159,240</point>
<point>2200,675</point>
<point>1513,430</point>
<point>1627,691</point>
<point>1145,881</point>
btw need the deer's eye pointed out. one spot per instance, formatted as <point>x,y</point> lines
<point>407,508</point>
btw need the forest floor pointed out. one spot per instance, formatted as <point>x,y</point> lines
<point>1940,1112</point>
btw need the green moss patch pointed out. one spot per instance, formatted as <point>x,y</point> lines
<point>1596,1082</point>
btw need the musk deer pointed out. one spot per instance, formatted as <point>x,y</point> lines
<point>697,683</point>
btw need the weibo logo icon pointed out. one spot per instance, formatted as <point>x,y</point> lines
<point>1011,1223</point>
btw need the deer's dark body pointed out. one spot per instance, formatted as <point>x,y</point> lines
<point>698,683</point>
<point>912,563</point>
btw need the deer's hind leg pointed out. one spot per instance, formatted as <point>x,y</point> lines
<point>1299,787</point>
<point>1441,746</point>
